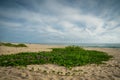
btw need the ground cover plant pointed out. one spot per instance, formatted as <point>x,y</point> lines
<point>69,57</point>
<point>12,45</point>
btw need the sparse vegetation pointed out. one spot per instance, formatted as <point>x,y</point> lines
<point>69,57</point>
<point>12,45</point>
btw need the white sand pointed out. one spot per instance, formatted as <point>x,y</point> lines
<point>108,71</point>
<point>31,48</point>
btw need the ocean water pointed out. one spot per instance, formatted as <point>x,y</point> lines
<point>102,45</point>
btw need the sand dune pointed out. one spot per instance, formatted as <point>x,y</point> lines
<point>31,48</point>
<point>108,71</point>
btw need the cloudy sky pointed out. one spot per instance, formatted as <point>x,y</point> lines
<point>60,21</point>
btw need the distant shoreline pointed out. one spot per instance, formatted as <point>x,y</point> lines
<point>41,47</point>
<point>98,45</point>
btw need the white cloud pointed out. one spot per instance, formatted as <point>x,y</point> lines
<point>57,15</point>
<point>10,24</point>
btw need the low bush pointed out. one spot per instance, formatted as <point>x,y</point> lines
<point>12,45</point>
<point>69,57</point>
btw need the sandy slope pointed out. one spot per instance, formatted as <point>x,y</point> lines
<point>108,71</point>
<point>31,48</point>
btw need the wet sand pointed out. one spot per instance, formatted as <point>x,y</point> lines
<point>108,71</point>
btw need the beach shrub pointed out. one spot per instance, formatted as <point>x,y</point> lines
<point>69,57</point>
<point>12,45</point>
<point>21,45</point>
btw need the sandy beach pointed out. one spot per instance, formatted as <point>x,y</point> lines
<point>108,71</point>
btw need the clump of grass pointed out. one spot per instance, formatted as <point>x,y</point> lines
<point>21,45</point>
<point>69,57</point>
<point>12,45</point>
